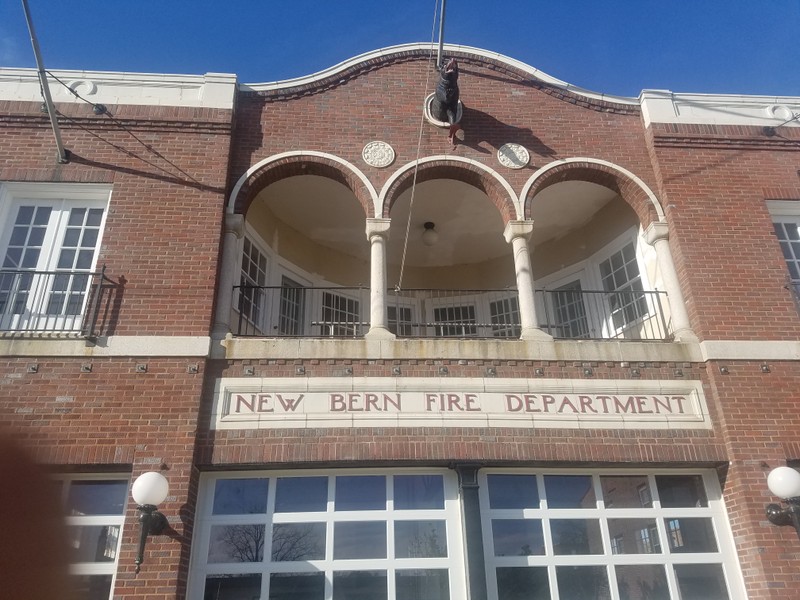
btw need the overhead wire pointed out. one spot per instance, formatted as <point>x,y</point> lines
<point>399,285</point>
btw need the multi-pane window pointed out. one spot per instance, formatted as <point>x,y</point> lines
<point>337,536</point>
<point>94,508</point>
<point>400,320</point>
<point>292,307</point>
<point>565,536</point>
<point>455,321</point>
<point>341,315</point>
<point>48,250</point>
<point>622,283</point>
<point>787,229</point>
<point>253,279</point>
<point>569,311</point>
<point>504,315</point>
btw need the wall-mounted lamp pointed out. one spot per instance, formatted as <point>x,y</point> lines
<point>784,482</point>
<point>430,236</point>
<point>148,491</point>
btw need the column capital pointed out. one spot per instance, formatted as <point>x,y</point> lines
<point>378,227</point>
<point>515,229</point>
<point>657,230</point>
<point>234,223</point>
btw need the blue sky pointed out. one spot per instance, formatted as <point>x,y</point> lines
<point>610,46</point>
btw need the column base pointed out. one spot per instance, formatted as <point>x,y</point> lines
<point>379,333</point>
<point>535,334</point>
<point>686,336</point>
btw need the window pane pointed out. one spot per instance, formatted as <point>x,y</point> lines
<point>96,543</point>
<point>642,581</point>
<point>298,541</point>
<point>523,583</point>
<point>513,491</point>
<point>625,491</point>
<point>297,586</point>
<point>415,492</point>
<point>240,496</point>
<point>634,536</point>
<point>422,584</point>
<point>690,535</point>
<point>701,582</point>
<point>360,585</point>
<point>236,543</point>
<point>359,539</point>
<point>517,537</point>
<point>92,587</point>
<point>233,587</point>
<point>301,494</point>
<point>576,536</point>
<point>569,491</point>
<point>360,493</point>
<point>420,539</point>
<point>679,491</point>
<point>97,497</point>
<point>583,583</point>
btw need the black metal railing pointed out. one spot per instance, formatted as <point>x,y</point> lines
<point>281,311</point>
<point>51,302</point>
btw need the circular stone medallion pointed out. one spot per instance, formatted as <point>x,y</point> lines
<point>378,154</point>
<point>513,156</point>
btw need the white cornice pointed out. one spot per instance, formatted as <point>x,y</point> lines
<point>212,90</point>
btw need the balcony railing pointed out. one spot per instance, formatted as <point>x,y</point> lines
<point>54,302</point>
<point>275,311</point>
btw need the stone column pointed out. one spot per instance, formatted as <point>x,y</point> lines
<point>517,233</point>
<point>377,234</point>
<point>228,272</point>
<point>657,235</point>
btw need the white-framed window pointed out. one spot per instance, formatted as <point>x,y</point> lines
<point>400,319</point>
<point>340,314</point>
<point>622,281</point>
<point>505,318</point>
<point>292,307</point>
<point>94,507</point>
<point>570,535</point>
<point>253,279</point>
<point>49,242</point>
<point>786,224</point>
<point>337,535</point>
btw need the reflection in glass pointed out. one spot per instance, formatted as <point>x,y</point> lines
<point>517,537</point>
<point>701,582</point>
<point>240,496</point>
<point>523,583</point>
<point>301,494</point>
<point>91,587</point>
<point>420,539</point>
<point>422,584</point>
<point>298,541</point>
<point>236,543</point>
<point>576,536</point>
<point>640,582</point>
<point>359,539</point>
<point>233,587</point>
<point>93,543</point>
<point>360,492</point>
<point>97,497</point>
<point>690,535</point>
<point>583,583</point>
<point>625,491</point>
<point>415,492</point>
<point>360,585</point>
<point>513,491</point>
<point>569,491</point>
<point>634,536</point>
<point>681,491</point>
<point>297,586</point>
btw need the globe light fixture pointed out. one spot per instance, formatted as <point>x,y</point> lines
<point>430,236</point>
<point>784,482</point>
<point>148,491</point>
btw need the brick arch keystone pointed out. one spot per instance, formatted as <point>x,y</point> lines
<point>631,188</point>
<point>308,162</point>
<point>469,171</point>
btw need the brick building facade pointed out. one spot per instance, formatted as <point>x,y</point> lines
<point>555,360</point>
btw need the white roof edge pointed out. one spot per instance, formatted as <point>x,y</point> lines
<point>389,50</point>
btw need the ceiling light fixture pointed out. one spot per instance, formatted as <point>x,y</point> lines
<point>430,236</point>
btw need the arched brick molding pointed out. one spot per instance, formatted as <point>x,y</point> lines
<point>461,169</point>
<point>291,164</point>
<point>630,188</point>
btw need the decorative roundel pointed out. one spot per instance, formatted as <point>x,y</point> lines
<point>378,154</point>
<point>513,156</point>
<point>779,111</point>
<point>431,119</point>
